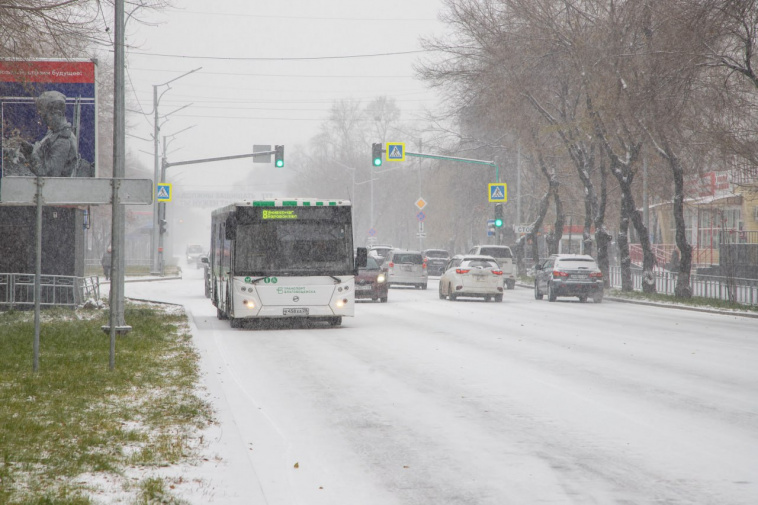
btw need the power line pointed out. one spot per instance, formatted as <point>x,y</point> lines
<point>254,58</point>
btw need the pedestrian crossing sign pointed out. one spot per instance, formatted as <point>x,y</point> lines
<point>498,192</point>
<point>395,151</point>
<point>163,192</point>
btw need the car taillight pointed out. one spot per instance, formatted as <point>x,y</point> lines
<point>497,272</point>
<point>391,264</point>
<point>423,265</point>
<point>558,273</point>
<point>598,275</point>
<point>462,270</point>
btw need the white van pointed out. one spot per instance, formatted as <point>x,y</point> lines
<point>504,258</point>
<point>406,268</point>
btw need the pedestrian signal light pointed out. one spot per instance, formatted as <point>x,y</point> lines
<point>278,156</point>
<point>376,154</point>
<point>498,215</point>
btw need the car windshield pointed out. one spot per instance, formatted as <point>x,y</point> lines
<point>414,259</point>
<point>194,249</point>
<point>496,252</point>
<point>436,254</point>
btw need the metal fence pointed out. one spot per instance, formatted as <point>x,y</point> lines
<point>744,291</point>
<point>17,290</point>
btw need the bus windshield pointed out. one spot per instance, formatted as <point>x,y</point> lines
<point>282,247</point>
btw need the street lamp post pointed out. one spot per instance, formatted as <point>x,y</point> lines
<point>155,253</point>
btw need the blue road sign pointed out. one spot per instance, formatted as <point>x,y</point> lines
<point>421,216</point>
<point>497,192</point>
<point>395,151</point>
<point>490,227</point>
<point>163,192</point>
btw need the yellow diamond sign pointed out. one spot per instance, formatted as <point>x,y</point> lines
<point>420,203</point>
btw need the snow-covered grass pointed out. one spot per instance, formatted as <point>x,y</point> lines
<point>77,432</point>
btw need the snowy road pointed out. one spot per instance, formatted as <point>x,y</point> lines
<point>425,401</point>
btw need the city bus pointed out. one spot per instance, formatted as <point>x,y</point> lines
<point>284,259</point>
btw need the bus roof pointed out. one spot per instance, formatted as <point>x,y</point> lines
<point>294,202</point>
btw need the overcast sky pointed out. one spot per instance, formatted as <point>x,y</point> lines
<point>269,75</point>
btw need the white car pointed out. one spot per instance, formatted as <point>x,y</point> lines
<point>504,258</point>
<point>472,276</point>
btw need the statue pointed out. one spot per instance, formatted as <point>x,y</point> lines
<point>57,153</point>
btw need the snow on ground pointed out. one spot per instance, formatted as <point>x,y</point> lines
<point>422,400</point>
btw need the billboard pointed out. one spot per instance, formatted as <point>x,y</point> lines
<point>48,118</point>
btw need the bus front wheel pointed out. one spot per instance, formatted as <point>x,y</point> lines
<point>335,321</point>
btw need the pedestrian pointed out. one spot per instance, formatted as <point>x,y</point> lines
<point>106,262</point>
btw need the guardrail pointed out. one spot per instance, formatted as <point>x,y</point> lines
<point>17,290</point>
<point>744,291</point>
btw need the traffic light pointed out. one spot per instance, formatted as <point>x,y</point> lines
<point>376,154</point>
<point>162,223</point>
<point>278,156</point>
<point>498,215</point>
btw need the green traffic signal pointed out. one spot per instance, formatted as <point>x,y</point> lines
<point>278,156</point>
<point>376,154</point>
<point>498,223</point>
<point>498,215</point>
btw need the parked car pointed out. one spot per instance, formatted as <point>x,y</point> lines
<point>380,252</point>
<point>568,275</point>
<point>406,268</point>
<point>371,281</point>
<point>193,254</point>
<point>472,276</point>
<point>205,261</point>
<point>504,258</point>
<point>435,259</point>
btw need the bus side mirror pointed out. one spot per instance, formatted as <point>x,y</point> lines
<point>361,257</point>
<point>230,228</point>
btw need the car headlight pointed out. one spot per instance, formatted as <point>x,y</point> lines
<point>380,278</point>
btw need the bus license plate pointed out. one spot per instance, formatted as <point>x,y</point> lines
<point>299,311</point>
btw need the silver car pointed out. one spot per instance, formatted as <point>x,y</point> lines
<point>406,268</point>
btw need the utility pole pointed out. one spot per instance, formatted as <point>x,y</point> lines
<point>155,256</point>
<point>117,325</point>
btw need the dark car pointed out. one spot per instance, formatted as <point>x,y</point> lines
<point>435,259</point>
<point>568,275</point>
<point>371,281</point>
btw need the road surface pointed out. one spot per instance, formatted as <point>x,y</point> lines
<point>428,401</point>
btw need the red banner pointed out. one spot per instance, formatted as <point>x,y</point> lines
<point>47,71</point>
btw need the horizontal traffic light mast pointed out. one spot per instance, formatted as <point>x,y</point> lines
<point>378,149</point>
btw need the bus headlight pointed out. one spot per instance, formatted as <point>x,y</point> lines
<point>341,303</point>
<point>250,304</point>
